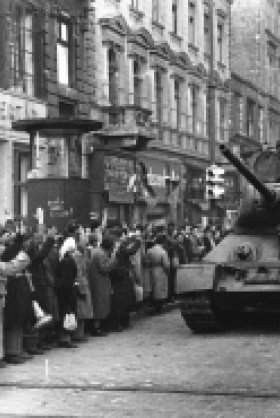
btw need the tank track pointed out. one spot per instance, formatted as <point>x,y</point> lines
<point>197,311</point>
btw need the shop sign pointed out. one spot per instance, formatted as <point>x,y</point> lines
<point>56,204</point>
<point>120,196</point>
<point>59,214</point>
<point>57,209</point>
<point>156,180</point>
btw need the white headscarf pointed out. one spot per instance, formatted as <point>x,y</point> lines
<point>68,245</point>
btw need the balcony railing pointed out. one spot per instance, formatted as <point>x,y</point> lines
<point>127,120</point>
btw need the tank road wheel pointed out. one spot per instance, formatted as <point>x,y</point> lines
<point>198,314</point>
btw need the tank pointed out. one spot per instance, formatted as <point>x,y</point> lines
<point>240,278</point>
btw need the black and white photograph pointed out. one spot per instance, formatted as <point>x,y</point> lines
<point>140,208</point>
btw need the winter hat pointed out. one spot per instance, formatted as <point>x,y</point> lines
<point>68,245</point>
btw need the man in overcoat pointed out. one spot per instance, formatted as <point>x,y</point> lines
<point>99,270</point>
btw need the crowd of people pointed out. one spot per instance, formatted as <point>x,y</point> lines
<point>64,288</point>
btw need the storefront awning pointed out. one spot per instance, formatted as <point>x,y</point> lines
<point>56,127</point>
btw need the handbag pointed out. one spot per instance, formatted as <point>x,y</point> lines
<point>70,322</point>
<point>138,293</point>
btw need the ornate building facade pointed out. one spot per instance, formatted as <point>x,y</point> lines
<point>154,72</point>
<point>160,67</point>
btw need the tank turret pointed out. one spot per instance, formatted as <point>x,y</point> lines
<point>258,210</point>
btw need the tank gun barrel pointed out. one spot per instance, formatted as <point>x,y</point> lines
<point>268,195</point>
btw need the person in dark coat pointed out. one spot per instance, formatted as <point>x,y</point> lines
<point>99,269</point>
<point>38,252</point>
<point>18,305</point>
<point>123,294</point>
<point>171,247</point>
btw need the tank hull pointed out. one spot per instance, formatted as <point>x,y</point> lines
<point>222,289</point>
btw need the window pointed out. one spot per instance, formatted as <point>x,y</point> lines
<point>191,29</point>
<point>220,39</point>
<point>237,104</point>
<point>208,112</point>
<point>273,136</point>
<point>155,11</point>
<point>158,94</point>
<point>137,81</point>
<point>250,117</point>
<point>271,52</point>
<point>21,167</point>
<point>222,108</point>
<point>21,53</point>
<point>272,64</point>
<point>193,116</point>
<point>175,16</point>
<point>63,52</point>
<point>177,102</point>
<point>207,33</point>
<point>135,4</point>
<point>113,77</point>
<point>260,123</point>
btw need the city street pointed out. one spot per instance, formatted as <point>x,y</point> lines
<point>156,369</point>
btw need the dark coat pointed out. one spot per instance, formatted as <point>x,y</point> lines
<point>99,269</point>
<point>18,303</point>
<point>123,294</point>
<point>65,286</point>
<point>84,302</point>
<point>51,264</point>
<point>37,269</point>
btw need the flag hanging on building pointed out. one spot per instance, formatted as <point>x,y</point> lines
<point>139,183</point>
<point>147,189</point>
<point>132,184</point>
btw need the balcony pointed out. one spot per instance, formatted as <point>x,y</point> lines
<point>129,126</point>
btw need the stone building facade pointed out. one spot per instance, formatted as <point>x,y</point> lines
<point>43,73</point>
<point>255,59</point>
<point>255,76</point>
<point>146,69</point>
<point>156,62</point>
